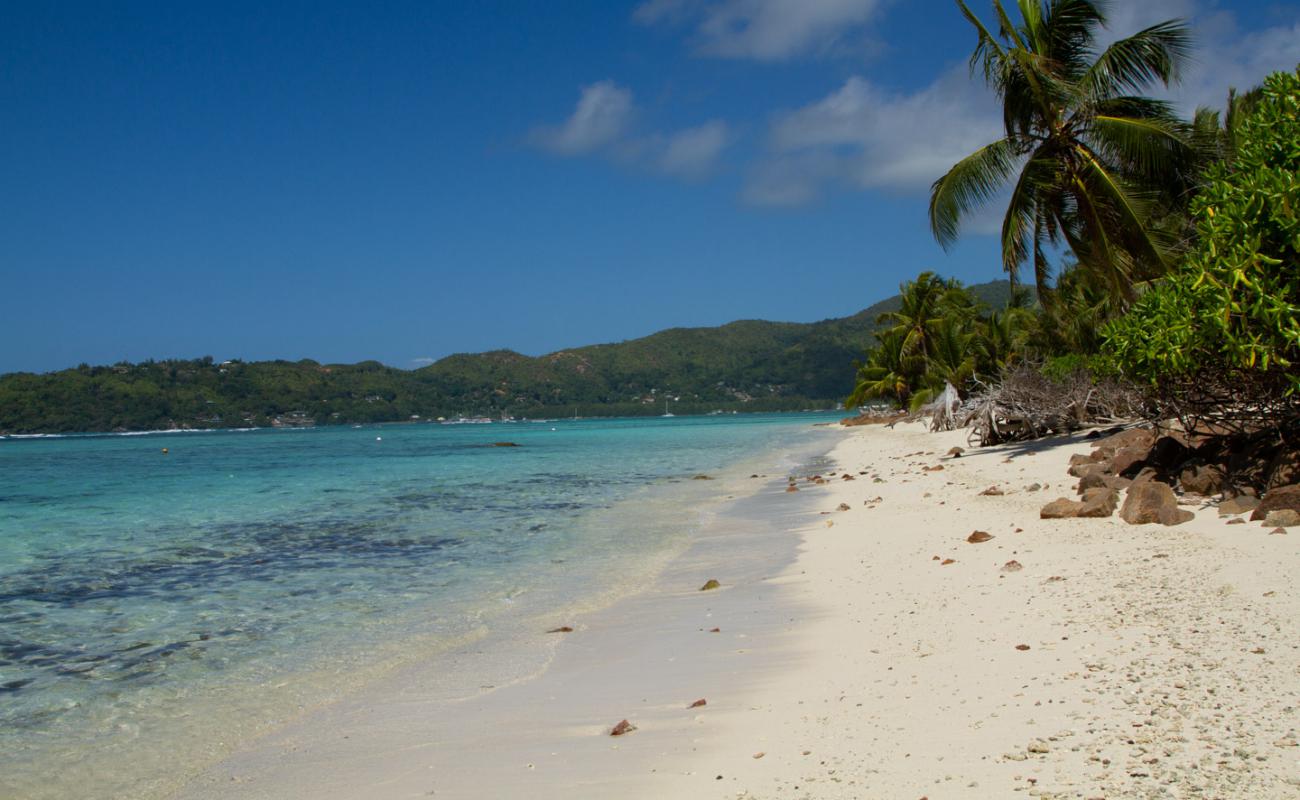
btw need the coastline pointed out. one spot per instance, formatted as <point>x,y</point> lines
<point>849,662</point>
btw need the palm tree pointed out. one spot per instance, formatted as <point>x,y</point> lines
<point>886,373</point>
<point>1092,158</point>
<point>952,360</point>
<point>924,302</point>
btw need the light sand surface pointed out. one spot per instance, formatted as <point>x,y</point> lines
<point>849,663</point>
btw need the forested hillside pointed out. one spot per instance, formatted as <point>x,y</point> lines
<point>749,365</point>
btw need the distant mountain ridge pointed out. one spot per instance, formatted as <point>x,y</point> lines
<point>750,365</point>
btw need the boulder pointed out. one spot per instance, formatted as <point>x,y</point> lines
<point>1201,478</point>
<point>1151,501</point>
<point>1168,452</point>
<point>1238,505</point>
<point>1099,502</point>
<point>1134,437</point>
<point>1276,499</point>
<point>1093,479</point>
<point>1249,466</point>
<point>1061,508</point>
<point>1129,461</point>
<point>1284,470</point>
<point>1282,518</point>
<point>1081,462</point>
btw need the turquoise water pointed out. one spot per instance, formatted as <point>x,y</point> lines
<point>157,609</point>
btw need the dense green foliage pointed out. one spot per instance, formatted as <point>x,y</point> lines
<point>748,365</point>
<point>941,334</point>
<point>1089,163</point>
<point>1234,305</point>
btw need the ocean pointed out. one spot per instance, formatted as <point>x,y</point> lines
<point>157,608</point>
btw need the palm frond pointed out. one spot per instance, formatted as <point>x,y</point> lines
<point>968,185</point>
<point>1156,54</point>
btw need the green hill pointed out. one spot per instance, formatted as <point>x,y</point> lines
<point>748,365</point>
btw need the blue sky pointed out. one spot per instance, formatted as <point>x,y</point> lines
<point>402,181</point>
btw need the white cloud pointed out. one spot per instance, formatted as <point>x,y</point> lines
<point>1223,56</point>
<point>602,124</point>
<point>766,30</point>
<point>603,114</point>
<point>424,361</point>
<point>862,136</point>
<point>694,151</point>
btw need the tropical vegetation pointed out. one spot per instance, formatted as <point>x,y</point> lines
<point>940,335</point>
<point>1177,240</point>
<point>1220,338</point>
<point>1088,162</point>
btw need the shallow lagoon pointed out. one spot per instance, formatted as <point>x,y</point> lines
<point>157,609</point>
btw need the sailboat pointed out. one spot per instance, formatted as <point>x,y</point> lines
<point>667,413</point>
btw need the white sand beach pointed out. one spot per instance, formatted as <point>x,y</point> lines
<point>870,653</point>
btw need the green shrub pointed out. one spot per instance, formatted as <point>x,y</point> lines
<point>1227,322</point>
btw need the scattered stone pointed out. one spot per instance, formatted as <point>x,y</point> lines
<point>710,584</point>
<point>759,754</point>
<point>956,452</point>
<point>1129,460</point>
<point>1277,532</point>
<point>1278,498</point>
<point>1151,501</point>
<point>849,477</point>
<point>1237,521</point>
<point>561,629</point>
<point>1099,503</point>
<point>1038,745</point>
<point>792,488</point>
<point>1083,462</point>
<point>978,537</point>
<point>1283,518</point>
<point>844,506</point>
<point>992,491</point>
<point>947,561</point>
<point>1238,505</point>
<point>1284,469</point>
<point>1034,487</point>
<point>504,444</point>
<point>1061,508</point>
<point>698,703</point>
<point>935,468</point>
<point>1202,479</point>
<point>622,728</point>
<point>701,477</point>
<point>1022,647</point>
<point>1134,437</point>
<point>715,630</point>
<point>1012,566</point>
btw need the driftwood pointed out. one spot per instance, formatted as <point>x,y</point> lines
<point>1026,404</point>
